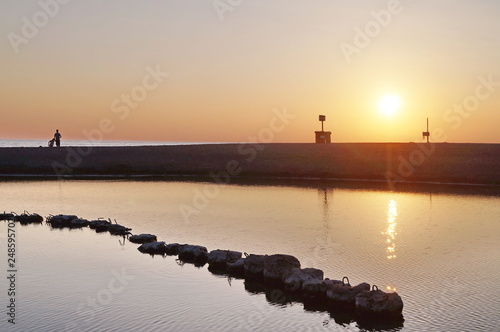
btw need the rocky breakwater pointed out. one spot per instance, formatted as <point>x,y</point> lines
<point>284,272</point>
<point>280,276</point>
<point>24,218</point>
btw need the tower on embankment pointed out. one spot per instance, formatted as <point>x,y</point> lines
<point>323,136</point>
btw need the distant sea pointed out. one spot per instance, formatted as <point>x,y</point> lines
<point>44,143</point>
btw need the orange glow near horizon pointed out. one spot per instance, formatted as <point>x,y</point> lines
<point>148,73</point>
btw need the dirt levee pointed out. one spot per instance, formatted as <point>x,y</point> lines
<point>434,162</point>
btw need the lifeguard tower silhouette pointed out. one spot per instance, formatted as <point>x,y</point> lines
<point>323,136</point>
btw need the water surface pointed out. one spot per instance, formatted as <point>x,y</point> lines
<point>438,250</point>
<point>33,143</point>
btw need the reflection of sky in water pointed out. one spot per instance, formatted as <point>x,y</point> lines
<point>390,232</point>
<point>344,232</point>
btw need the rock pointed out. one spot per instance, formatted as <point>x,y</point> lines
<point>236,268</point>
<point>143,238</point>
<point>193,253</point>
<point>99,223</point>
<point>153,248</point>
<point>219,258</point>
<point>116,229</point>
<point>345,294</point>
<point>27,218</point>
<point>378,303</point>
<point>172,249</point>
<point>276,267</point>
<point>296,278</point>
<point>316,289</point>
<point>6,216</point>
<point>102,227</point>
<point>254,266</point>
<point>78,223</point>
<point>61,220</point>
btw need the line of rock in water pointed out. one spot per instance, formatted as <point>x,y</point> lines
<point>279,271</point>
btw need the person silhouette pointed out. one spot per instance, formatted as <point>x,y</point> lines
<point>57,137</point>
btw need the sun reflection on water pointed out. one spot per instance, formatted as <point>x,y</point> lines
<point>390,232</point>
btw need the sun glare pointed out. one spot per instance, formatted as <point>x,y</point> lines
<point>389,105</point>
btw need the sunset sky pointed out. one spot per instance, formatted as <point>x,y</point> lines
<point>220,70</point>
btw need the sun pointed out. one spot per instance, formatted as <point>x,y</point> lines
<point>389,105</point>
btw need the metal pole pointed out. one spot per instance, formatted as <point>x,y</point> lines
<point>428,130</point>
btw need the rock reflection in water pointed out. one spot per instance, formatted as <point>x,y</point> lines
<point>342,315</point>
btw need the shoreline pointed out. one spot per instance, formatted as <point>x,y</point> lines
<point>465,164</point>
<point>180,177</point>
<point>322,184</point>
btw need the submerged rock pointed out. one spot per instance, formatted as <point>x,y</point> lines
<point>153,248</point>
<point>296,278</point>
<point>276,267</point>
<point>219,258</point>
<point>378,303</point>
<point>143,238</point>
<point>193,253</point>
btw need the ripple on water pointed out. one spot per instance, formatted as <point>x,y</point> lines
<point>445,268</point>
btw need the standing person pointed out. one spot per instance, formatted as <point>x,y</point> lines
<point>57,137</point>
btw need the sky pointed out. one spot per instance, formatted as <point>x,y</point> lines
<point>250,70</point>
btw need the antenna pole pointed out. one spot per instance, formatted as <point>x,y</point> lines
<point>427,134</point>
<point>428,130</point>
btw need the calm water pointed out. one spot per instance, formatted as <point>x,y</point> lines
<point>33,143</point>
<point>439,251</point>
